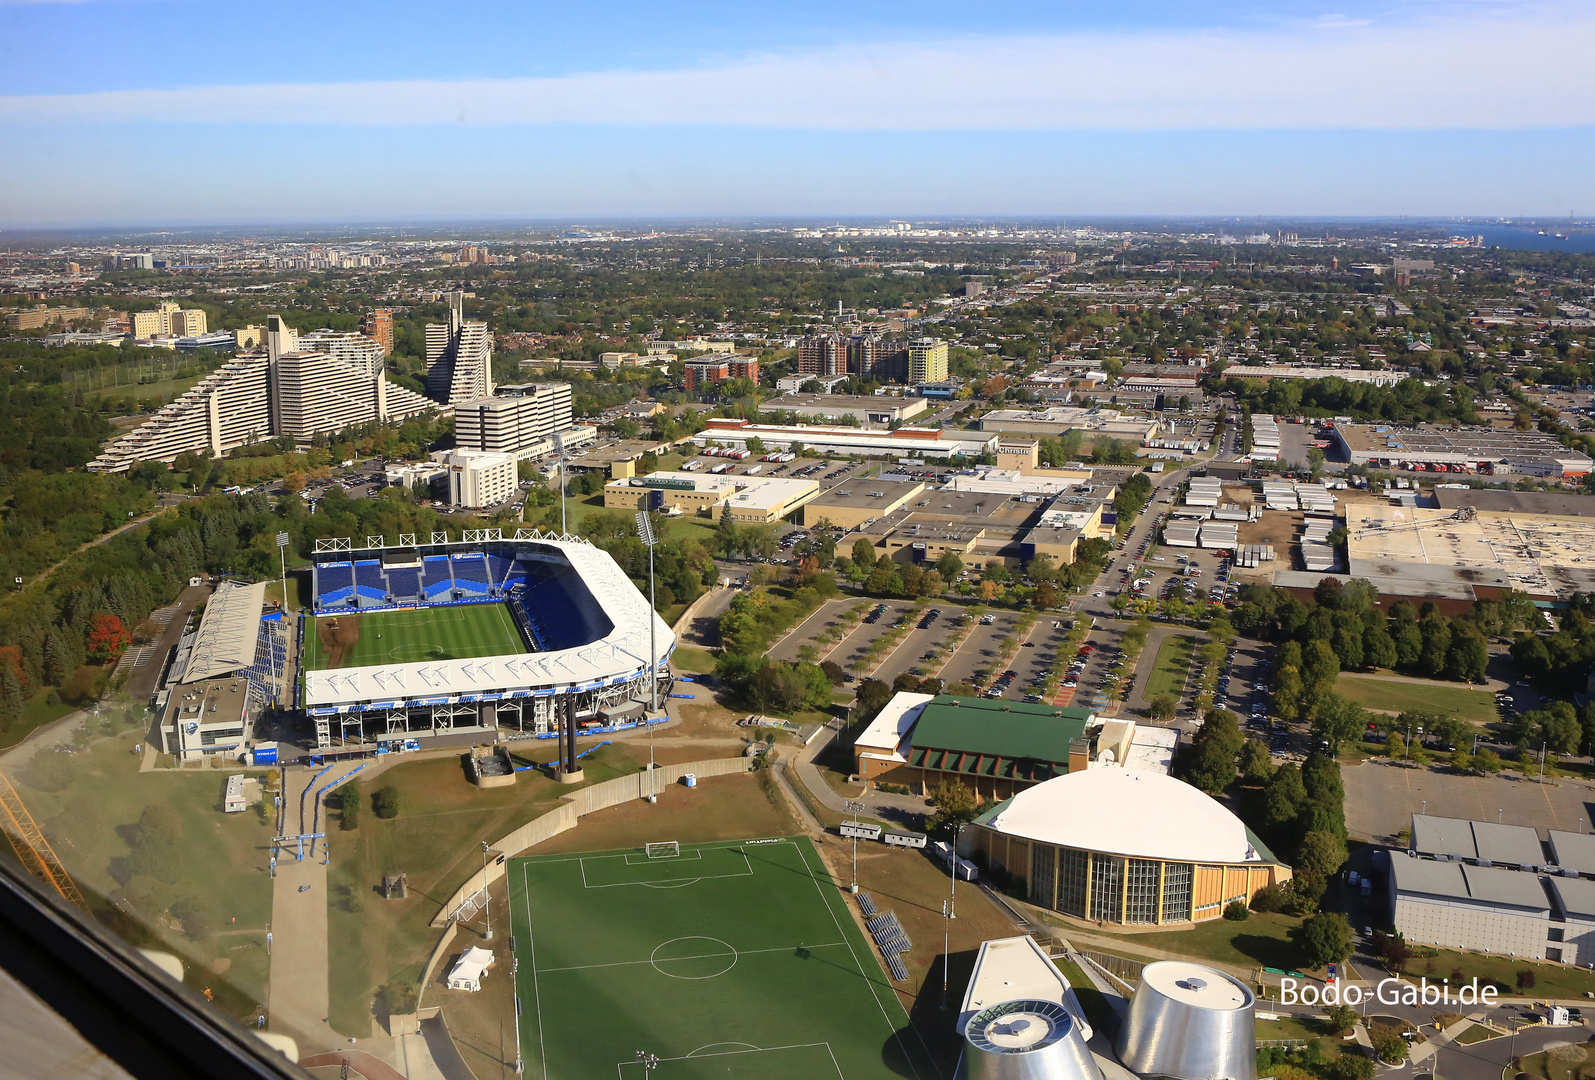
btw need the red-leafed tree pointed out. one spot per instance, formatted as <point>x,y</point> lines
<point>12,655</point>
<point>108,638</point>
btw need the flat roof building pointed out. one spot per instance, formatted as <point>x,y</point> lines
<point>856,502</point>
<point>520,420</point>
<point>1485,450</point>
<point>479,478</point>
<point>749,500</point>
<point>877,411</point>
<point>1058,419</point>
<point>844,441</point>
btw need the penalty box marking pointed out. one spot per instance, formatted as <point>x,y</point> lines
<point>663,879</point>
<point>637,1070</point>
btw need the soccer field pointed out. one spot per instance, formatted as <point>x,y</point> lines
<point>402,637</point>
<point>731,960</point>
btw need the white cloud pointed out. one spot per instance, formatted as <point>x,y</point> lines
<point>1508,69</point>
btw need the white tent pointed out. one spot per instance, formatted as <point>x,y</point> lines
<point>469,969</point>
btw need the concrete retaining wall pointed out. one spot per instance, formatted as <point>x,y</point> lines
<point>579,802</point>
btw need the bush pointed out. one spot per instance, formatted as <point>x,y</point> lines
<point>193,916</point>
<point>1236,911</point>
<point>1526,979</point>
<point>398,999</point>
<point>1351,1066</point>
<point>1270,898</point>
<point>1391,1047</point>
<point>385,803</point>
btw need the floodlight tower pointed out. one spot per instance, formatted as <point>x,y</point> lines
<point>645,533</point>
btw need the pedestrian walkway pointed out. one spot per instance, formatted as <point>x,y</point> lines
<point>297,1000</point>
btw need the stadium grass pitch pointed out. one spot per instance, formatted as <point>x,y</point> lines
<point>733,960</point>
<point>457,632</point>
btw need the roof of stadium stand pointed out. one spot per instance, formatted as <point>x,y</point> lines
<point>618,656</point>
<point>228,632</point>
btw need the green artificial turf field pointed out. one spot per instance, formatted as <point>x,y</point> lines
<point>737,959</point>
<point>458,632</point>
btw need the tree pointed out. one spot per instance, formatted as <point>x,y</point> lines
<point>1162,706</point>
<point>1396,747</point>
<point>870,699</point>
<point>192,914</point>
<point>1321,853</point>
<point>956,804</point>
<point>1325,939</point>
<point>1468,657</point>
<point>1255,764</point>
<point>1046,596</point>
<point>863,552</point>
<point>1339,720</point>
<point>108,638</point>
<point>385,802</point>
<point>11,699</point>
<point>949,566</point>
<point>1342,1018</point>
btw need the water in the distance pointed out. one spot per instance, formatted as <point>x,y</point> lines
<point>1524,239</point>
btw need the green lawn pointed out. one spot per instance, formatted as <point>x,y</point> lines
<point>436,633</point>
<point>733,960</point>
<point>1550,980</point>
<point>1264,939</point>
<point>36,712</point>
<point>1477,1033</point>
<point>1172,664</point>
<point>1393,695</point>
<point>1097,1009</point>
<point>697,661</point>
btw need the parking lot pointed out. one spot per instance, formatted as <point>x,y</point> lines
<point>1382,797</point>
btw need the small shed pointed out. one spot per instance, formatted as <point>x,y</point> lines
<point>468,970</point>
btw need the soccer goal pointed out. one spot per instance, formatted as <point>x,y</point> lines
<point>664,849</point>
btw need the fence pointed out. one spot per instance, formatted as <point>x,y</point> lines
<point>1117,966</point>
<point>578,803</point>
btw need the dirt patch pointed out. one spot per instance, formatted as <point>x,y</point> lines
<point>338,636</point>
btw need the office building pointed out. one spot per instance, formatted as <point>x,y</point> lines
<point>521,420</point>
<point>168,320</point>
<point>41,316</point>
<point>927,360</point>
<point>746,500</point>
<point>459,356</point>
<point>378,326</point>
<point>478,479</point>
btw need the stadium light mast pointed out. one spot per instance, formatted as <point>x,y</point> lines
<point>282,561</point>
<point>645,533</point>
<point>856,806</point>
<point>487,896</point>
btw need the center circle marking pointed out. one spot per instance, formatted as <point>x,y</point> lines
<point>693,958</point>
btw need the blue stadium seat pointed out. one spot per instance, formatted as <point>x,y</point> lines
<point>436,580</point>
<point>369,584</point>
<point>334,583</point>
<point>498,568</point>
<point>404,581</point>
<point>471,574</point>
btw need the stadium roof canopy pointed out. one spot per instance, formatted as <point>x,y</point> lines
<point>618,656</point>
<point>1144,815</point>
<point>228,632</point>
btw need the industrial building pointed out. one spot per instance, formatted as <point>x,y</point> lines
<point>1124,846</point>
<point>301,386</point>
<point>936,443</point>
<point>855,503</point>
<point>747,500</point>
<point>1495,888</point>
<point>1265,372</point>
<point>1058,419</point>
<point>1467,450</point>
<point>873,410</point>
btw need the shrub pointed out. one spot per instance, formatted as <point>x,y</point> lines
<point>1270,898</point>
<point>193,916</point>
<point>385,803</point>
<point>348,799</point>
<point>398,999</point>
<point>1526,979</point>
<point>1351,1066</point>
<point>1236,911</point>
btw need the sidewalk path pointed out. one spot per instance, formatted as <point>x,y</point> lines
<point>298,998</point>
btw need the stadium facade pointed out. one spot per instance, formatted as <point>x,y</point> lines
<point>584,657</point>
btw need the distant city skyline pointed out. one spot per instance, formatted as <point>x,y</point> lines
<point>362,112</point>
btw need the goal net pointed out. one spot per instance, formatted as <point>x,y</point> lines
<point>664,849</point>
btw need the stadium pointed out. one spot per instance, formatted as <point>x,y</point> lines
<point>533,636</point>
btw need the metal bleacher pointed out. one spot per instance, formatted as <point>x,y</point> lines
<point>888,934</point>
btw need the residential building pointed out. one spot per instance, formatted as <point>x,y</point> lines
<point>927,360</point>
<point>703,370</point>
<point>479,479</point>
<point>378,326</point>
<point>168,320</point>
<point>188,323</point>
<point>459,356</point>
<point>41,316</point>
<point>823,354</point>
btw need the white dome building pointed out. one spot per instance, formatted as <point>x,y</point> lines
<point>1124,846</point>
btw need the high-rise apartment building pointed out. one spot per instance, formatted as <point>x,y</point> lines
<point>189,323</point>
<point>867,355</point>
<point>822,354</point>
<point>520,420</point>
<point>702,371</point>
<point>301,386</point>
<point>378,326</point>
<point>927,360</point>
<point>459,356</point>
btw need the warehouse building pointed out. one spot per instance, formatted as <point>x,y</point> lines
<point>869,410</point>
<point>934,443</point>
<point>747,500</point>
<point>1467,450</point>
<point>1123,846</point>
<point>854,503</point>
<point>1055,421</point>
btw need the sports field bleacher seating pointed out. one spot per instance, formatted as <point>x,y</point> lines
<point>515,575</point>
<point>552,611</point>
<point>470,574</point>
<point>369,584</point>
<point>404,581</point>
<point>498,568</point>
<point>336,582</point>
<point>436,580</point>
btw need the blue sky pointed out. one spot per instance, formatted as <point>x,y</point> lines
<point>171,111</point>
